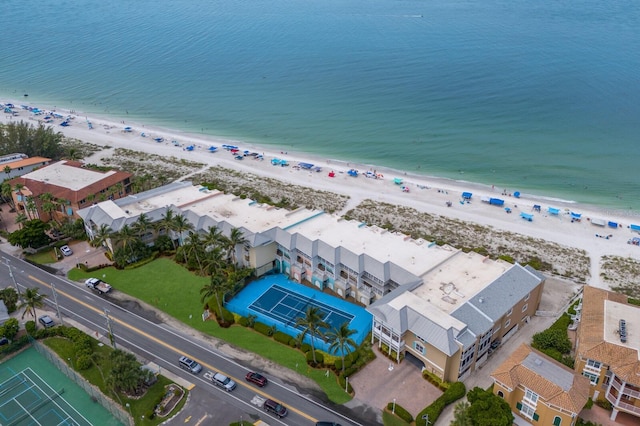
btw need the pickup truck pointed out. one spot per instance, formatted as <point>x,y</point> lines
<point>98,285</point>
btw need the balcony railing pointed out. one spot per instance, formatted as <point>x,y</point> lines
<point>386,338</point>
<point>628,407</point>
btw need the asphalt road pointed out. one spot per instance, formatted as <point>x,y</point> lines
<point>160,344</point>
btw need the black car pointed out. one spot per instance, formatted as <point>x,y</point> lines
<point>275,407</point>
<point>4,341</point>
<point>327,424</point>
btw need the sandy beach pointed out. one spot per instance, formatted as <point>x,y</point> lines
<point>430,195</point>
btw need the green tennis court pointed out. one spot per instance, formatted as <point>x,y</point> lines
<point>33,392</point>
<point>26,399</point>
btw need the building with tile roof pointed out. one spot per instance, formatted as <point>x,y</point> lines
<point>436,303</point>
<point>71,186</point>
<point>608,349</point>
<point>539,389</point>
<point>15,165</point>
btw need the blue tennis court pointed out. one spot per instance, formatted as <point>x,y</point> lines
<point>275,300</point>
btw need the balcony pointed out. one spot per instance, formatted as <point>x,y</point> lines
<point>623,406</point>
<point>386,338</point>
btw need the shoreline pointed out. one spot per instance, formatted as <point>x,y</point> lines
<point>534,196</point>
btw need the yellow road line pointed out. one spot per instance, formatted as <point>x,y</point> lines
<point>168,346</point>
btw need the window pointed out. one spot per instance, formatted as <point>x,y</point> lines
<point>524,308</point>
<point>557,421</point>
<point>527,411</point>
<point>506,324</point>
<point>510,312</point>
<point>527,297</point>
<point>531,397</point>
<point>594,378</point>
<point>418,347</point>
<point>594,364</point>
<point>501,394</point>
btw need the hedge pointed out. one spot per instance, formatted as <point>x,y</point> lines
<point>399,411</point>
<point>455,391</point>
<point>243,321</point>
<point>343,382</point>
<point>263,328</point>
<point>281,337</point>
<point>319,358</point>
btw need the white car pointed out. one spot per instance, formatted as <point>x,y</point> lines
<point>66,250</point>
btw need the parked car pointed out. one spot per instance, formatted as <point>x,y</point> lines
<point>46,321</point>
<point>189,365</point>
<point>256,378</point>
<point>327,424</point>
<point>224,382</point>
<point>4,341</point>
<point>274,407</point>
<point>66,250</point>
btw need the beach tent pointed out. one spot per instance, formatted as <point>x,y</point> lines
<point>306,166</point>
<point>275,161</point>
<point>635,228</point>
<point>613,224</point>
<point>598,222</point>
<point>128,129</point>
<point>536,207</point>
<point>516,194</point>
<point>553,210</point>
<point>190,148</point>
<point>466,195</point>
<point>213,149</point>
<point>496,201</point>
<point>353,172</point>
<point>526,216</point>
<point>397,181</point>
<point>576,216</point>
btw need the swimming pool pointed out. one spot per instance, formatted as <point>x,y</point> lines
<point>276,300</point>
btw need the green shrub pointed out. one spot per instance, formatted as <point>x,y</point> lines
<point>227,317</point>
<point>305,347</point>
<point>589,404</point>
<point>263,328</point>
<point>337,364</point>
<point>293,342</point>
<point>83,362</point>
<point>454,392</point>
<point>30,326</point>
<point>319,358</point>
<point>281,337</point>
<point>433,411</point>
<point>399,411</point>
<point>604,404</point>
<point>243,321</point>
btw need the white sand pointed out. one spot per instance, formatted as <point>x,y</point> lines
<point>425,193</point>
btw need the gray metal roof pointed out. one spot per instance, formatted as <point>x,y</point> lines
<point>467,338</point>
<point>475,320</point>
<point>502,294</point>
<point>408,319</point>
<point>549,370</point>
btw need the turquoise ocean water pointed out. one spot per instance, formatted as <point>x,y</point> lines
<point>541,97</point>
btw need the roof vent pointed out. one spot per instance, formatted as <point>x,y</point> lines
<point>538,362</point>
<point>481,299</point>
<point>622,330</point>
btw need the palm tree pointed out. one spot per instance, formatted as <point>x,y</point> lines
<point>180,225</point>
<point>32,299</point>
<point>101,236</point>
<point>341,340</point>
<point>166,224</point>
<point>313,323</point>
<point>142,225</point>
<point>7,192</point>
<point>21,218</point>
<point>214,288</point>
<point>213,238</point>
<point>193,247</point>
<point>214,261</point>
<point>236,238</point>
<point>127,237</point>
<point>7,170</point>
<point>48,205</point>
<point>461,414</point>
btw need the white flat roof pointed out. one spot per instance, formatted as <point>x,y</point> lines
<point>222,207</point>
<point>452,283</point>
<point>613,313</point>
<point>416,256</point>
<point>426,309</point>
<point>74,178</point>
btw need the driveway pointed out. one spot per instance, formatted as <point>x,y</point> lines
<point>382,380</point>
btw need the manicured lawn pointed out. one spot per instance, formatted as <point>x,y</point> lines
<point>176,291</point>
<point>94,375</point>
<point>44,257</point>
<point>389,419</point>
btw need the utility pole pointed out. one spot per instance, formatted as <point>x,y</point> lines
<point>15,284</point>
<point>112,338</point>
<point>55,299</point>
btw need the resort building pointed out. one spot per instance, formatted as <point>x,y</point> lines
<point>539,389</point>
<point>69,186</point>
<point>608,349</point>
<point>15,165</point>
<point>443,306</point>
